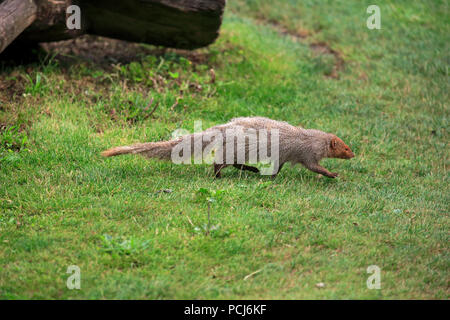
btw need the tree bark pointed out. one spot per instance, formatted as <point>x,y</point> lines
<point>15,16</point>
<point>186,24</point>
<point>50,23</point>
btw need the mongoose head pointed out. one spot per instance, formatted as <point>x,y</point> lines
<point>338,149</point>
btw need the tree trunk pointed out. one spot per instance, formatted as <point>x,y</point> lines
<point>185,24</point>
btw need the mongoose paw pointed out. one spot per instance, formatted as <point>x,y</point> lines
<point>333,174</point>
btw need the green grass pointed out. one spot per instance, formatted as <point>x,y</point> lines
<point>61,204</point>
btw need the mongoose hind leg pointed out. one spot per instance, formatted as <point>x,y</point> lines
<point>217,168</point>
<point>244,167</point>
<point>278,170</point>
<point>319,169</point>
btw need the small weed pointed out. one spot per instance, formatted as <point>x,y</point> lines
<point>117,246</point>
<point>12,140</point>
<point>133,107</point>
<point>37,85</point>
<point>215,231</point>
<point>209,196</point>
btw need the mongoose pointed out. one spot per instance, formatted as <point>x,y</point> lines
<point>295,145</point>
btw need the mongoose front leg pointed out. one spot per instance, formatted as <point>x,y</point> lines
<point>319,169</point>
<point>244,167</point>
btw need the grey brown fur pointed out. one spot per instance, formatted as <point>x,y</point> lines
<point>296,145</point>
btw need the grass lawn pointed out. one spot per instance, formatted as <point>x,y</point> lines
<point>312,63</point>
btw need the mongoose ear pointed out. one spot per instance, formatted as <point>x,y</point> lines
<point>333,143</point>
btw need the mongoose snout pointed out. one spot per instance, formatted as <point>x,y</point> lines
<point>338,149</point>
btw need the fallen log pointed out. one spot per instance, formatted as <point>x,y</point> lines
<point>184,24</point>
<point>15,16</point>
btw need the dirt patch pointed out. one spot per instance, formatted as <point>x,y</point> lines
<point>322,48</point>
<point>296,35</point>
<point>94,49</point>
<point>106,51</point>
<point>11,88</point>
<point>318,48</point>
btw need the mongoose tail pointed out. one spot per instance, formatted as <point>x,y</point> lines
<point>161,150</point>
<point>117,151</point>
